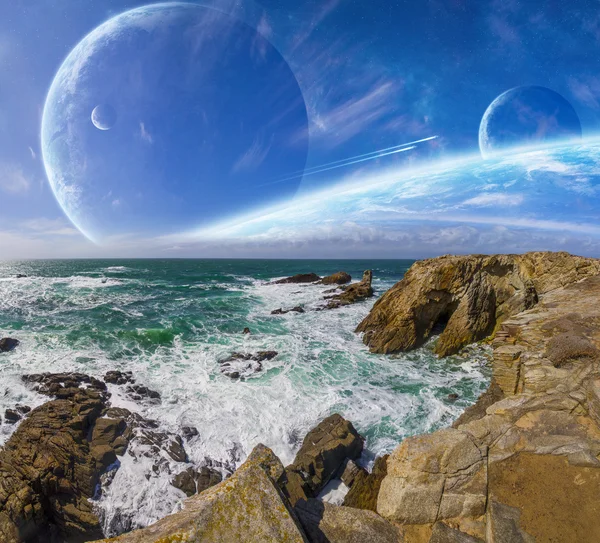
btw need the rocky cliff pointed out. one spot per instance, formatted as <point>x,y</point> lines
<point>468,295</point>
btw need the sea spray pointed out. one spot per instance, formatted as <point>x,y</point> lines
<point>170,322</point>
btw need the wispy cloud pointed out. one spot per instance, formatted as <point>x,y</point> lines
<point>145,135</point>
<point>254,155</point>
<point>33,154</point>
<point>307,30</point>
<point>260,44</point>
<point>12,179</point>
<point>50,227</point>
<point>488,199</point>
<point>586,90</point>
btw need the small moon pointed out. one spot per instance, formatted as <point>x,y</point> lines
<point>527,115</point>
<point>104,117</point>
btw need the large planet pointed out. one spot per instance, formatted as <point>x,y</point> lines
<point>104,117</point>
<point>534,199</point>
<point>525,116</point>
<point>207,111</point>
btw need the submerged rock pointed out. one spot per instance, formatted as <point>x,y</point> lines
<point>281,311</point>
<point>242,365</point>
<point>141,392</point>
<point>299,278</point>
<point>119,377</point>
<point>8,344</point>
<point>324,450</point>
<point>353,293</point>
<point>468,295</point>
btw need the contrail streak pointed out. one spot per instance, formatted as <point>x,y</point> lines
<point>352,160</point>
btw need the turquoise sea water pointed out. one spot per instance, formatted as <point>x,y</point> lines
<point>171,321</point>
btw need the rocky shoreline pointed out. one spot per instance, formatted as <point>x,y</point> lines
<point>520,465</point>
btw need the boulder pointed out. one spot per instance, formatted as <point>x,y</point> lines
<point>119,377</point>
<point>248,507</point>
<point>324,450</point>
<point>326,523</point>
<point>299,278</point>
<point>141,392</point>
<point>242,365</point>
<point>8,344</point>
<point>339,278</point>
<point>193,481</point>
<point>469,295</point>
<point>353,293</point>
<point>365,488</point>
<point>442,533</point>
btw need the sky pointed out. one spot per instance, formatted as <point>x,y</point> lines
<point>372,75</point>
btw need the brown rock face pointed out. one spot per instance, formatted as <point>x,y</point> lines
<point>323,452</point>
<point>353,293</point>
<point>339,278</point>
<point>365,488</point>
<point>49,470</point>
<point>523,464</point>
<point>247,507</point>
<point>471,295</point>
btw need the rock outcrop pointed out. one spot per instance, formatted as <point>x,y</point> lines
<point>524,464</point>
<point>469,295</point>
<point>298,278</point>
<point>365,487</point>
<point>242,365</point>
<point>338,278</point>
<point>249,507</point>
<point>324,451</point>
<point>352,293</point>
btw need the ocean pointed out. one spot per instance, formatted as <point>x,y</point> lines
<point>170,322</point>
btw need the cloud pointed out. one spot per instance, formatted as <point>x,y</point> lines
<point>260,43</point>
<point>145,135</point>
<point>49,227</point>
<point>33,155</point>
<point>586,90</point>
<point>254,155</point>
<point>339,124</point>
<point>12,179</point>
<point>306,31</point>
<point>488,199</point>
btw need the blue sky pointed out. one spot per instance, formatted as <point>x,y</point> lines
<point>373,75</point>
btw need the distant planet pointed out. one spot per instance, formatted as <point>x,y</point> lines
<point>104,117</point>
<point>525,116</point>
<point>207,111</point>
<point>535,199</point>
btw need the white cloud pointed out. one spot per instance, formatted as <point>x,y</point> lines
<point>33,155</point>
<point>12,179</point>
<point>254,155</point>
<point>145,135</point>
<point>487,199</point>
<point>49,227</point>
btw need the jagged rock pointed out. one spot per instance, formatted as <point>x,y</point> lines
<point>116,377</point>
<point>353,293</point>
<point>189,432</point>
<point>247,507</point>
<point>349,472</point>
<point>339,278</point>
<point>472,294</point>
<point>11,416</point>
<point>246,330</point>
<point>8,344</point>
<point>20,276</point>
<point>241,365</point>
<point>48,472</point>
<point>323,451</point>
<point>478,410</point>
<point>326,523</point>
<point>192,481</point>
<point>63,385</point>
<point>141,392</point>
<point>299,278</point>
<point>365,488</point>
<point>282,311</point>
